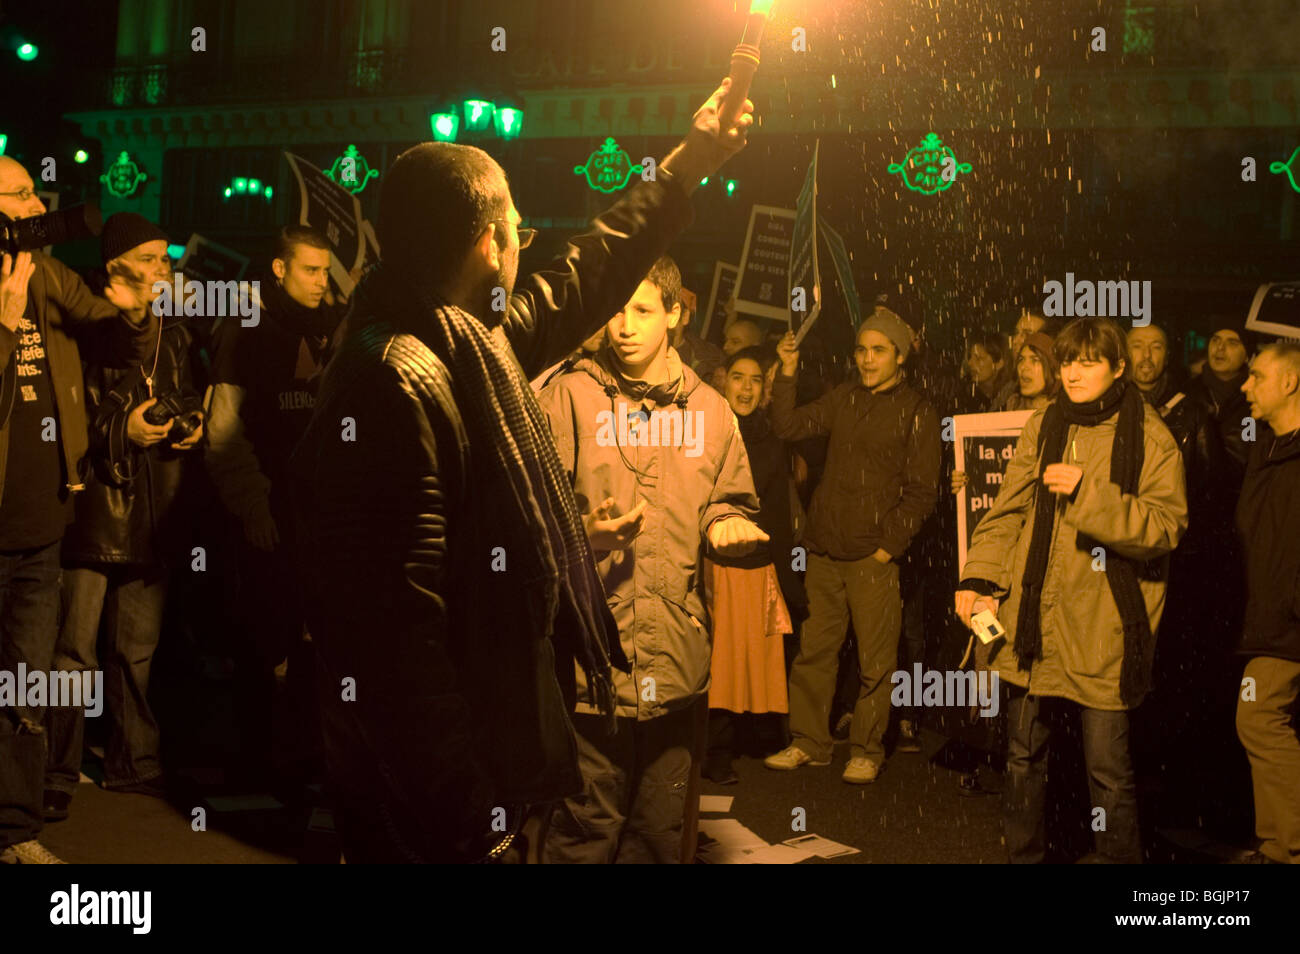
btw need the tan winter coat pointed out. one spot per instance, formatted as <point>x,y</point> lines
<point>655,587</point>
<point>1083,642</point>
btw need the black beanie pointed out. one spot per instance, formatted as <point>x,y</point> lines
<point>123,231</point>
<point>1236,322</point>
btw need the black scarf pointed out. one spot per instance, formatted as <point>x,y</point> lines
<point>512,448</point>
<point>643,391</point>
<point>1224,392</point>
<point>1126,460</point>
<point>297,318</point>
<point>754,427</point>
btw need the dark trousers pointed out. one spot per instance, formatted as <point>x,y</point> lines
<point>29,621</point>
<point>270,630</point>
<point>1111,783</point>
<point>634,793</point>
<point>130,603</point>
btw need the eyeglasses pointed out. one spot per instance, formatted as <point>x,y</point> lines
<point>526,236</point>
<point>23,195</point>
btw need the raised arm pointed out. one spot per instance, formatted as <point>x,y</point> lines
<point>553,311</point>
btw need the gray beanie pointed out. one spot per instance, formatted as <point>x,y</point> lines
<point>892,327</point>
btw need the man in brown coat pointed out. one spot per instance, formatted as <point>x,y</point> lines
<point>881,482</point>
<point>658,466</point>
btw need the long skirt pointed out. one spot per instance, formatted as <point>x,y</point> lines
<point>749,620</point>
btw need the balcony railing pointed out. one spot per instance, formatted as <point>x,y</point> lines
<point>365,73</point>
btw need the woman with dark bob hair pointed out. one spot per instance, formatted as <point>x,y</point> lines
<point>1072,559</point>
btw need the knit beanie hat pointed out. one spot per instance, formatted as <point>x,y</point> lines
<point>123,231</point>
<point>892,327</point>
<point>1237,323</point>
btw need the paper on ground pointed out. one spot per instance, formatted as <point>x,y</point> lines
<point>716,803</point>
<point>819,846</point>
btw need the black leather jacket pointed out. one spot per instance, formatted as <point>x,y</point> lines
<point>128,513</point>
<point>1211,493</point>
<point>458,707</point>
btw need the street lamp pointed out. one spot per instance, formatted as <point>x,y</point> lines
<point>508,122</point>
<point>478,114</point>
<point>445,126</point>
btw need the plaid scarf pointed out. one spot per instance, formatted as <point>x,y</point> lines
<point>532,505</point>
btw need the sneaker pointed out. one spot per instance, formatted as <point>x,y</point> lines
<point>860,771</point>
<point>790,758</point>
<point>842,727</point>
<point>55,805</point>
<point>29,853</point>
<point>908,739</point>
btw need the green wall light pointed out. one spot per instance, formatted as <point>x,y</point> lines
<point>445,126</point>
<point>478,114</point>
<point>123,176</point>
<point>923,168</point>
<point>241,185</point>
<point>508,122</point>
<point>27,52</point>
<point>267,192</point>
<point>254,186</point>
<point>351,170</point>
<point>229,192</point>
<point>174,252</point>
<point>609,168</point>
<point>4,141</point>
<point>80,156</point>
<point>731,188</point>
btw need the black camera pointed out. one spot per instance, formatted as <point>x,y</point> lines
<point>185,413</point>
<point>52,228</point>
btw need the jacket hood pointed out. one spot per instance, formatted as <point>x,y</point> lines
<point>603,369</point>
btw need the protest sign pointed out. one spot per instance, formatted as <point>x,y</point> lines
<point>334,212</point>
<point>763,285</point>
<point>844,272</point>
<point>205,260</point>
<point>983,444</point>
<point>1275,310</point>
<point>804,271</point>
<point>715,316</point>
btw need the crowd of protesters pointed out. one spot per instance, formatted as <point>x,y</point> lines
<point>472,601</point>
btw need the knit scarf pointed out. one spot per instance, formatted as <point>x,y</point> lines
<point>511,447</point>
<point>1126,459</point>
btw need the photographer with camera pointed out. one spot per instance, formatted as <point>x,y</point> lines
<point>49,322</point>
<point>116,554</point>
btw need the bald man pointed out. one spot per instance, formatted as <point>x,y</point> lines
<point>49,322</point>
<point>1268,519</point>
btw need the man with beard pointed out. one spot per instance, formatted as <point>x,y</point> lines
<point>264,381</point>
<point>450,585</point>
